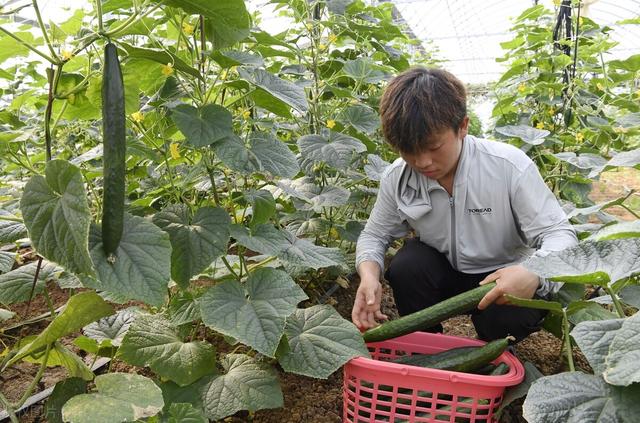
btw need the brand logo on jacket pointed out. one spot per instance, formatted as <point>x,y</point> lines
<point>480,211</point>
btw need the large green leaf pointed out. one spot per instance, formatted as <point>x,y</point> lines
<point>581,311</point>
<point>263,205</point>
<point>59,355</point>
<point>254,312</point>
<point>10,48</point>
<point>267,239</point>
<point>15,286</point>
<point>80,310</point>
<point>317,196</point>
<point>143,262</point>
<point>11,230</point>
<point>375,167</point>
<point>631,295</point>
<point>63,392</point>
<point>363,70</point>
<point>245,385</point>
<point>286,91</point>
<point>630,229</point>
<point>120,397</point>
<point>196,241</point>
<point>582,161</point>
<point>153,341</point>
<point>274,155</point>
<point>56,213</point>
<point>577,397</point>
<point>230,58</point>
<point>320,342</point>
<point>183,413</point>
<point>363,118</point>
<point>526,133</point>
<point>594,339</point>
<point>624,354</point>
<point>234,153</point>
<point>227,20</point>
<point>625,159</point>
<point>205,125</point>
<point>590,262</point>
<point>160,56</point>
<point>183,308</point>
<point>112,328</point>
<point>338,150</point>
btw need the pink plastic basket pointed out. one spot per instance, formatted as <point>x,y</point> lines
<point>375,390</point>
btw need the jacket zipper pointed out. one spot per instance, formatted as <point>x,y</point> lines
<point>454,254</point>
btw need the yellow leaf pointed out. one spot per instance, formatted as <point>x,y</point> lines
<point>173,149</point>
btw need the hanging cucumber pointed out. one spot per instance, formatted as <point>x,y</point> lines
<point>429,316</point>
<point>114,141</point>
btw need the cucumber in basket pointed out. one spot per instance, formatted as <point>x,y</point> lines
<point>429,316</point>
<point>462,359</point>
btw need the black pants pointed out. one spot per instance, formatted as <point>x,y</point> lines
<point>420,276</point>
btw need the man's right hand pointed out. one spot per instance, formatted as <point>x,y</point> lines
<point>366,307</point>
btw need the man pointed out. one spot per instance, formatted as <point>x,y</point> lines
<point>476,207</point>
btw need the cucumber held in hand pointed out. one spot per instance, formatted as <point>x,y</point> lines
<point>114,140</point>
<point>429,316</point>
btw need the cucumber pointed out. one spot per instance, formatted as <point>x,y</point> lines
<point>501,369</point>
<point>114,143</point>
<point>429,316</point>
<point>463,359</point>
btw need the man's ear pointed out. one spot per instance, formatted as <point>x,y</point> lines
<point>463,130</point>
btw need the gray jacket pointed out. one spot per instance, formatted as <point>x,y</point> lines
<point>500,213</point>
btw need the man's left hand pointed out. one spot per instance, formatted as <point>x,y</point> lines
<point>513,280</point>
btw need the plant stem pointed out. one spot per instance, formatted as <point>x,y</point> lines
<point>228,266</point>
<point>567,341</point>
<point>53,86</point>
<point>29,46</point>
<point>616,301</point>
<point>99,13</point>
<point>45,34</point>
<point>9,409</point>
<point>35,380</point>
<point>33,285</point>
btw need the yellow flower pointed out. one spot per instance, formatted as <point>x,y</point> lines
<point>322,47</point>
<point>552,111</point>
<point>137,116</point>
<point>67,54</point>
<point>600,86</point>
<point>333,38</point>
<point>333,233</point>
<point>246,114</point>
<point>521,88</point>
<point>579,137</point>
<point>540,125</point>
<point>557,2</point>
<point>187,28</point>
<point>167,69</point>
<point>331,123</point>
<point>638,93</point>
<point>173,149</point>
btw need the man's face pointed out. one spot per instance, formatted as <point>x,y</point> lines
<point>440,159</point>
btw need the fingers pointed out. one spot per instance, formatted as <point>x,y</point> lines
<point>491,296</point>
<point>490,278</point>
